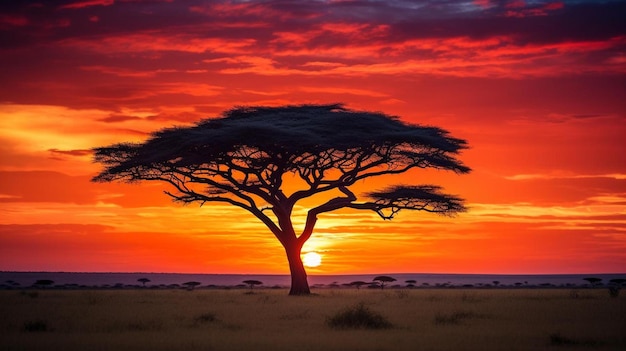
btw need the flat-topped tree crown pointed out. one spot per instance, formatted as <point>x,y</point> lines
<point>243,156</point>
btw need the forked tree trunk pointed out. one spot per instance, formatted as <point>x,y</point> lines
<point>299,282</point>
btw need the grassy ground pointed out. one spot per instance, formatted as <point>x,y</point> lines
<point>428,319</point>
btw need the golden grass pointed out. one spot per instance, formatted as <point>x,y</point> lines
<point>429,319</point>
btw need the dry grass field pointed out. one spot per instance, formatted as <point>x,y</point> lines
<point>421,319</point>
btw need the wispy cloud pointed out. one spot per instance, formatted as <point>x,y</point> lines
<point>87,3</point>
<point>564,175</point>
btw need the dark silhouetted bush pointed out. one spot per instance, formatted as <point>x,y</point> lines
<point>35,326</point>
<point>191,285</point>
<point>43,283</point>
<point>358,317</point>
<point>557,339</point>
<point>358,284</point>
<point>31,294</point>
<point>205,318</point>
<point>456,317</point>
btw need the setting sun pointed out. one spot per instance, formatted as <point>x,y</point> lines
<point>312,259</point>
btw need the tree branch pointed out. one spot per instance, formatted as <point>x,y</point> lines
<point>330,205</point>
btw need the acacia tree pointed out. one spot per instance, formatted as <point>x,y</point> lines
<point>358,284</point>
<point>44,282</point>
<point>245,156</point>
<point>143,281</point>
<point>593,281</point>
<point>384,279</point>
<point>191,285</point>
<point>251,283</point>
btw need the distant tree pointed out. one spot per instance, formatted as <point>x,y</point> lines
<point>252,283</point>
<point>44,282</point>
<point>382,279</point>
<point>618,281</point>
<point>246,156</point>
<point>191,285</point>
<point>358,284</point>
<point>615,286</point>
<point>143,281</point>
<point>496,282</point>
<point>410,283</point>
<point>593,281</point>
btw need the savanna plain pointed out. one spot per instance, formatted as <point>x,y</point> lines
<point>268,319</point>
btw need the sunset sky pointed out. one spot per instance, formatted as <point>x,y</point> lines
<point>536,87</point>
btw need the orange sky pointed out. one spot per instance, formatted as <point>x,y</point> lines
<point>538,88</point>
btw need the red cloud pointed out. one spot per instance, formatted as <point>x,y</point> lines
<point>71,152</point>
<point>13,20</point>
<point>157,41</point>
<point>515,4</point>
<point>118,118</point>
<point>460,56</point>
<point>231,9</point>
<point>519,9</point>
<point>482,3</point>
<point>88,3</point>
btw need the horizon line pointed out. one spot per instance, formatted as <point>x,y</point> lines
<point>316,274</point>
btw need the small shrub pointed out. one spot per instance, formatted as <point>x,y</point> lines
<point>455,317</point>
<point>35,326</point>
<point>205,318</point>
<point>143,326</point>
<point>31,294</point>
<point>358,317</point>
<point>557,339</point>
<point>296,315</point>
<point>579,295</point>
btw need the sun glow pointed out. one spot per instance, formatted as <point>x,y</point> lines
<point>312,259</point>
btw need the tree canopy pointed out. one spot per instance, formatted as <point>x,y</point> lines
<point>251,283</point>
<point>243,157</point>
<point>384,279</point>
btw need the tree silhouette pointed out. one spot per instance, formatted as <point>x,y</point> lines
<point>245,156</point>
<point>618,281</point>
<point>191,285</point>
<point>143,281</point>
<point>44,282</point>
<point>593,281</point>
<point>384,279</point>
<point>251,283</point>
<point>358,284</point>
<point>615,286</point>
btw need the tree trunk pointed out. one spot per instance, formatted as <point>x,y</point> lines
<point>299,282</point>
